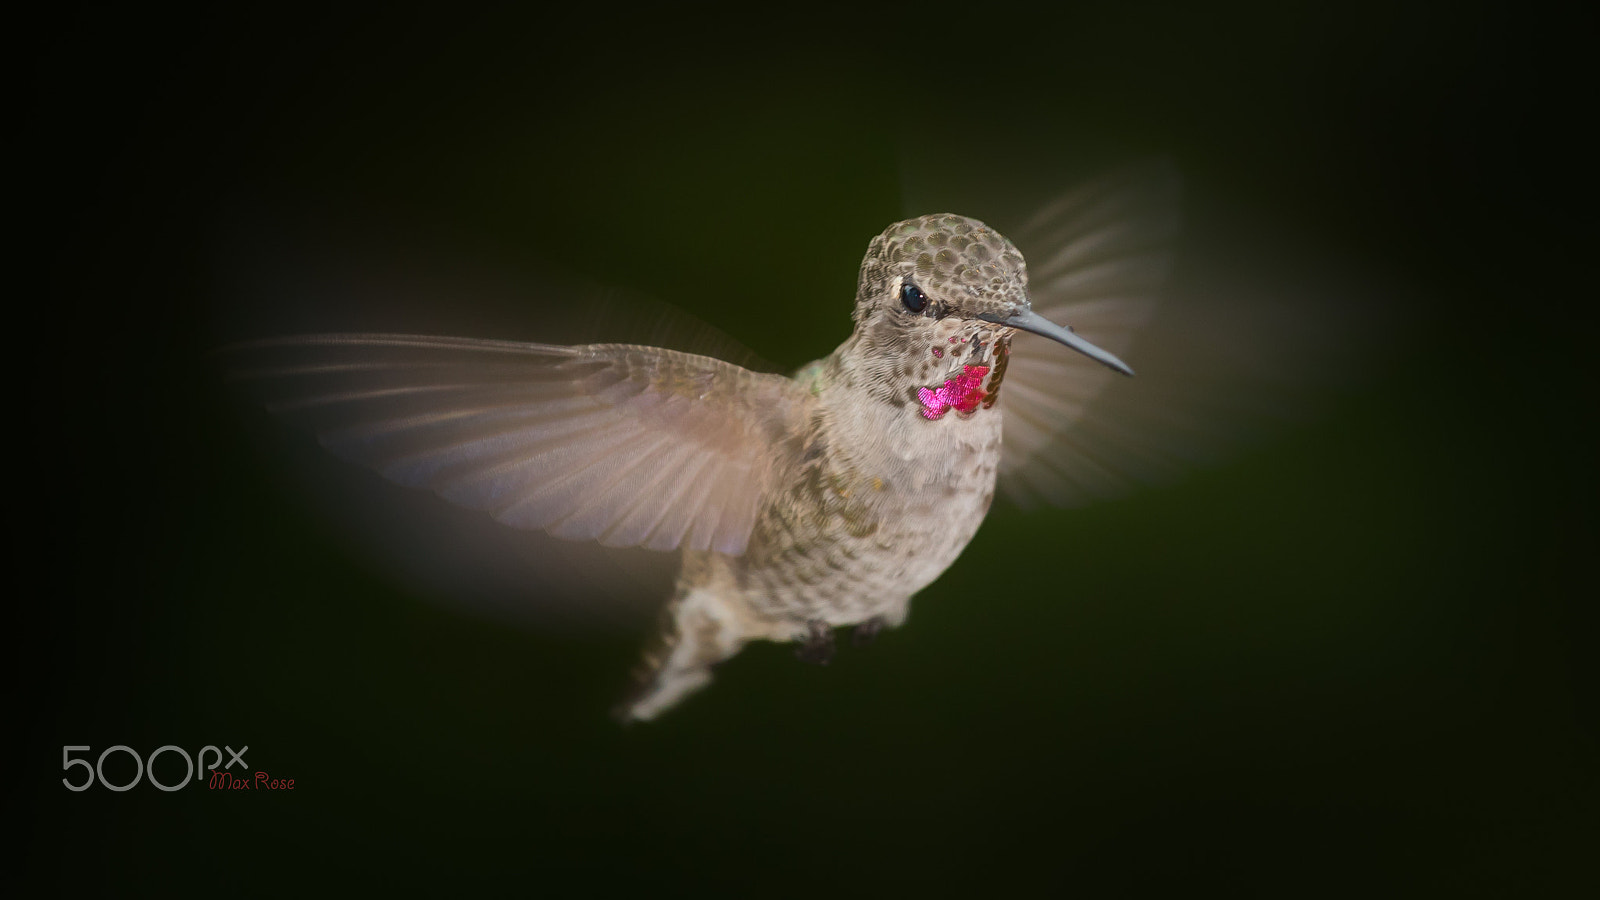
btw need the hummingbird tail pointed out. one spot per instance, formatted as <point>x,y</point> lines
<point>697,631</point>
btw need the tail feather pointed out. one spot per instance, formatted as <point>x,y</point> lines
<point>698,630</point>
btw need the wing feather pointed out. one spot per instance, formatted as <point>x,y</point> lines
<point>628,445</point>
<point>1097,259</point>
<point>684,511</point>
<point>638,516</point>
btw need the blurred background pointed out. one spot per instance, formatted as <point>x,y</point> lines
<point>1345,657</point>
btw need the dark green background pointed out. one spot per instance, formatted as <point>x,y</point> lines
<point>1347,659</point>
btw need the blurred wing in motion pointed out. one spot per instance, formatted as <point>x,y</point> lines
<point>1097,258</point>
<point>1250,329</point>
<point>628,445</point>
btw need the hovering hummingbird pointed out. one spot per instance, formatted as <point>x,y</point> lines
<point>800,504</point>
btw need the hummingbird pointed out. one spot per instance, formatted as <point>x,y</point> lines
<point>799,503</point>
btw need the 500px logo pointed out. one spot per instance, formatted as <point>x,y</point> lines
<point>219,779</point>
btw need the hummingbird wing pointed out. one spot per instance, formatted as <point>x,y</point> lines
<point>632,446</point>
<point>1097,258</point>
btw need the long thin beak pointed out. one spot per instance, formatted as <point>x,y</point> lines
<point>1032,321</point>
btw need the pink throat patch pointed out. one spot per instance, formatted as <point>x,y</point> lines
<point>961,393</point>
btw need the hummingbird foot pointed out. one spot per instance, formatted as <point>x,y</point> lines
<point>817,648</point>
<point>864,634</point>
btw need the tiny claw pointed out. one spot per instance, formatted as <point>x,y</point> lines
<point>864,634</point>
<point>817,648</point>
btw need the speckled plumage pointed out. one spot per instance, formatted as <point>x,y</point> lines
<point>800,504</point>
<point>876,498</point>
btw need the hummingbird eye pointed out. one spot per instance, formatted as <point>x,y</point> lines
<point>912,297</point>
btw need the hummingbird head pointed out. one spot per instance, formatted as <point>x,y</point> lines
<point>937,303</point>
